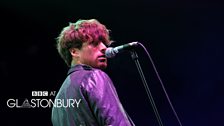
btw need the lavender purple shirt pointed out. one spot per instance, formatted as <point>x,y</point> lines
<point>99,105</point>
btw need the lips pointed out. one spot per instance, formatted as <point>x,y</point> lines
<point>102,58</point>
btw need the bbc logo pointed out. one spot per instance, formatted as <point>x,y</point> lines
<point>39,93</point>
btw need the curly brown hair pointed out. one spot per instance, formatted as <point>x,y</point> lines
<point>74,35</point>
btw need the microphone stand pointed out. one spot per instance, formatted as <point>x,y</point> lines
<point>135,58</point>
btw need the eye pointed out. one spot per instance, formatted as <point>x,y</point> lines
<point>94,43</point>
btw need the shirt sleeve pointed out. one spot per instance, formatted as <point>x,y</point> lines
<point>103,100</point>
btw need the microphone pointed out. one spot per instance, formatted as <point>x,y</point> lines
<point>111,52</point>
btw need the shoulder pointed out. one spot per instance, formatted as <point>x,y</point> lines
<point>96,79</point>
<point>99,73</point>
<point>98,76</point>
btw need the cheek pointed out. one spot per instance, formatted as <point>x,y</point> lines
<point>92,52</point>
<point>89,55</point>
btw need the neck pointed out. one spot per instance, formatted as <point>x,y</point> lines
<point>73,63</point>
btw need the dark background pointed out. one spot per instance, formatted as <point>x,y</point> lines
<point>184,38</point>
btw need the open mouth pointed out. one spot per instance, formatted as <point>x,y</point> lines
<point>102,58</point>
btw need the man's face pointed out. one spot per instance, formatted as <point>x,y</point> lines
<point>93,54</point>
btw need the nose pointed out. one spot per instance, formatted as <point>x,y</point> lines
<point>102,47</point>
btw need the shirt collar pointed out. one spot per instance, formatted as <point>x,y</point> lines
<point>79,67</point>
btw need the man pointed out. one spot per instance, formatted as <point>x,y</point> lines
<point>82,46</point>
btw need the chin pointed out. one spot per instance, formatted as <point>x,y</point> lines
<point>102,66</point>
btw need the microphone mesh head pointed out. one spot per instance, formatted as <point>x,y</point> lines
<point>109,53</point>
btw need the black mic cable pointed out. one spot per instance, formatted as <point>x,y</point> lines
<point>161,82</point>
<point>111,52</point>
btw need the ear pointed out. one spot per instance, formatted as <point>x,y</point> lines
<point>74,52</point>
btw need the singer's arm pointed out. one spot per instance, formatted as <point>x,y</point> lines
<point>103,100</point>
